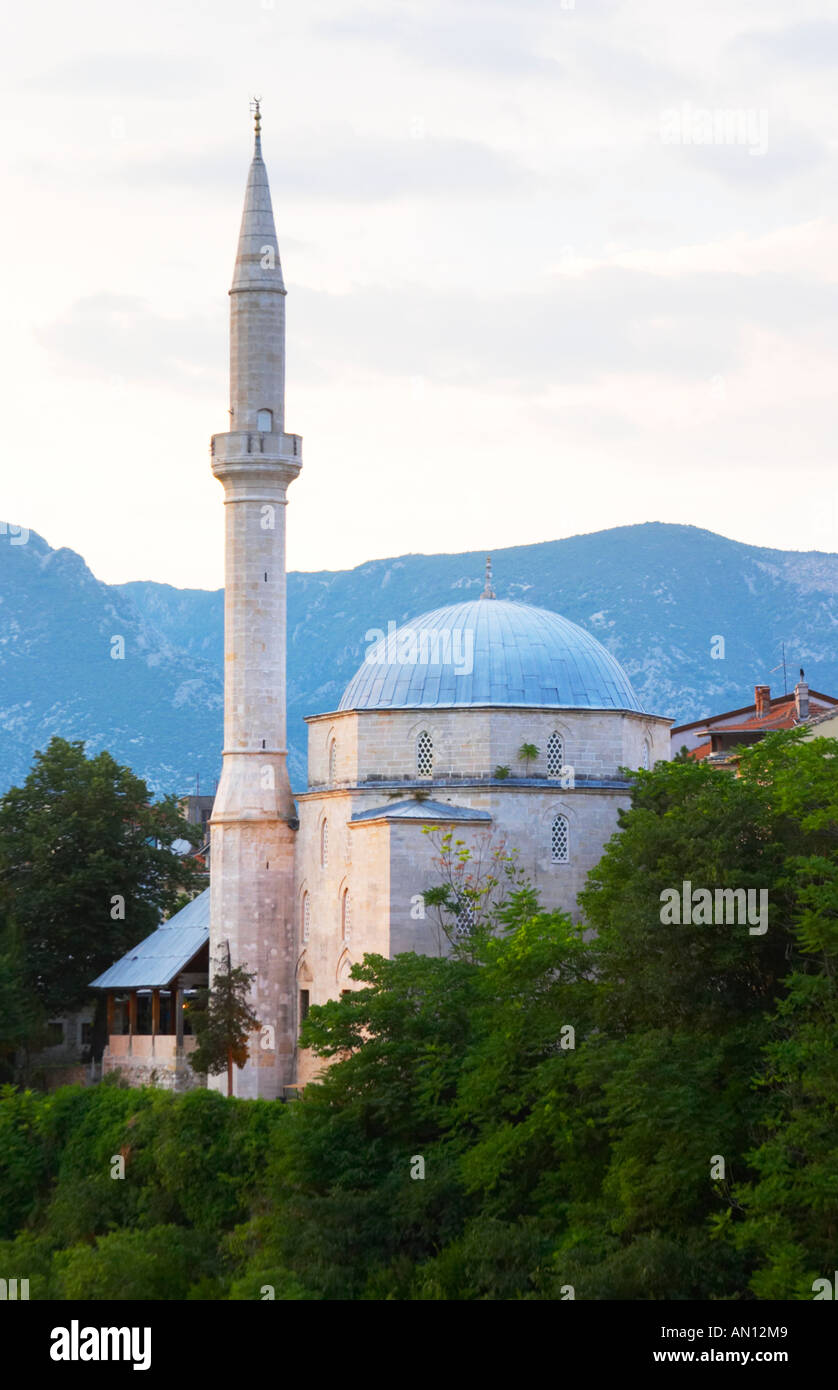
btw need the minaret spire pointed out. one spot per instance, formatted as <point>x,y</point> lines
<point>257,320</point>
<point>253,826</point>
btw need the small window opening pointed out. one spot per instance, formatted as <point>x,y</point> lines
<point>560,840</point>
<point>555,755</point>
<point>424,754</point>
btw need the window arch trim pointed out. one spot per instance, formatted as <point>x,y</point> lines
<point>424,754</point>
<point>555,755</point>
<point>559,838</point>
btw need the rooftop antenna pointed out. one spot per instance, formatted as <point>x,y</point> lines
<point>488,592</point>
<point>776,668</point>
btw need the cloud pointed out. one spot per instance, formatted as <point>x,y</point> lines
<point>805,249</point>
<point>150,76</point>
<point>611,320</point>
<point>810,43</point>
<point>348,167</point>
<point>749,146</point>
<point>623,72</point>
<point>466,39</point>
<point>120,338</point>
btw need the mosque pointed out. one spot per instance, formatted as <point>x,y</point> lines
<point>429,733</point>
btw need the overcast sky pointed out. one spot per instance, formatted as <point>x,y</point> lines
<point>551,268</point>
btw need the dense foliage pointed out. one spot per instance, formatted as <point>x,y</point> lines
<point>87,869</point>
<point>647,1113</point>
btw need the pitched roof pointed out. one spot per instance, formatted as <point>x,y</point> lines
<point>161,957</point>
<point>421,810</point>
<point>782,715</point>
<point>777,703</point>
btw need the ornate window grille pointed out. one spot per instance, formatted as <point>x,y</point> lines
<point>464,924</point>
<point>306,917</point>
<point>324,844</point>
<point>644,755</point>
<point>560,840</point>
<point>333,761</point>
<point>346,916</point>
<point>555,755</point>
<point>424,754</point>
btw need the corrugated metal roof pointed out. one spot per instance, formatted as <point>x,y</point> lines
<point>490,652</point>
<point>422,810</point>
<point>156,961</point>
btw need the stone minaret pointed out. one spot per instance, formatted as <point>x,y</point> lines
<point>253,826</point>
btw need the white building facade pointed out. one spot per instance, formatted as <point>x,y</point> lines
<point>501,722</point>
<point>418,744</point>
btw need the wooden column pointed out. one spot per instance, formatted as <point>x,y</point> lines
<point>132,1019</point>
<point>110,1007</point>
<point>155,1012</point>
<point>179,1018</point>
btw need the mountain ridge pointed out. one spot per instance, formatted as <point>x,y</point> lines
<point>655,594</point>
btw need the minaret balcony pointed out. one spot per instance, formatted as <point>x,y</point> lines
<point>241,445</point>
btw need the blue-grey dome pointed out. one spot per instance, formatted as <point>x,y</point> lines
<point>489,652</point>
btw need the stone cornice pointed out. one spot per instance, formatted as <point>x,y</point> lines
<point>485,784</point>
<point>430,710</point>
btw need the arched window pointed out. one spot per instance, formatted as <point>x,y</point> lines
<point>465,917</point>
<point>424,754</point>
<point>645,755</point>
<point>306,917</point>
<point>324,844</point>
<point>555,755</point>
<point>333,761</point>
<point>560,840</point>
<point>265,421</point>
<point>345,916</point>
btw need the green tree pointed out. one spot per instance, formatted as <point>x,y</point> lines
<point>87,869</point>
<point>162,1262</point>
<point>542,1108</point>
<point>685,1013</point>
<point>474,881</point>
<point>432,1060</point>
<point>347,1220</point>
<point>22,1021</point>
<point>786,1216</point>
<point>527,753</point>
<point>222,1021</point>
